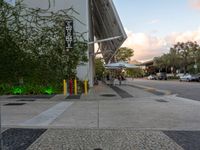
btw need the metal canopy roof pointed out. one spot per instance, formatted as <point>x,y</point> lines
<point>107,24</point>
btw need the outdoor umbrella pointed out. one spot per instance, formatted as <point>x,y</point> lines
<point>131,66</point>
<point>120,65</point>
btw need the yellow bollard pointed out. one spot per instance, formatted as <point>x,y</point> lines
<point>75,87</point>
<point>64,87</point>
<point>85,87</point>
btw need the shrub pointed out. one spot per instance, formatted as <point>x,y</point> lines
<point>172,77</point>
<point>5,89</point>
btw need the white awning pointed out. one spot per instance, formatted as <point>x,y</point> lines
<point>120,65</point>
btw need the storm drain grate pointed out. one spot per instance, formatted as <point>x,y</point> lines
<point>108,95</point>
<point>161,100</point>
<point>26,100</point>
<point>14,104</point>
<point>98,149</point>
<point>73,97</point>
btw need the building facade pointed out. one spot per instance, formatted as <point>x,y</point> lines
<point>99,22</point>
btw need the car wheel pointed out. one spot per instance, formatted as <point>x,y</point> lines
<point>188,80</point>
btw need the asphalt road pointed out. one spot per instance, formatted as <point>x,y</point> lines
<point>189,90</point>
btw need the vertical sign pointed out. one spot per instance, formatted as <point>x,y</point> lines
<point>68,34</point>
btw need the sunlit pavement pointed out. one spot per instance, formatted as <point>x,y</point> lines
<point>189,90</point>
<point>121,118</point>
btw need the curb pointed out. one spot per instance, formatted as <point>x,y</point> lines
<point>151,89</point>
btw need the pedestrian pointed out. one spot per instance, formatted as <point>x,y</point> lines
<point>120,79</point>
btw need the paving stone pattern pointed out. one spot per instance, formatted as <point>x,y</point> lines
<point>105,139</point>
<point>189,140</point>
<point>20,139</point>
<point>122,93</point>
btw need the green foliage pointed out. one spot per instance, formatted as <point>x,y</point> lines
<point>136,72</point>
<point>162,62</point>
<point>124,54</point>
<point>99,67</point>
<point>17,90</point>
<point>172,78</point>
<point>182,56</point>
<point>48,90</point>
<point>28,89</point>
<point>32,46</point>
<point>5,89</point>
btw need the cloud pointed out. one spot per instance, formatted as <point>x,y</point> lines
<point>195,4</point>
<point>154,21</point>
<point>147,46</point>
<point>183,37</point>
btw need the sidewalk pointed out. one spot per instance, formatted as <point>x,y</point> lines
<point>142,121</point>
<point>101,92</point>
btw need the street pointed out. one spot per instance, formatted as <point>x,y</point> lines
<point>190,90</point>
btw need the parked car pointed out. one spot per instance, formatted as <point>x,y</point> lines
<point>180,75</point>
<point>152,77</point>
<point>188,77</point>
<point>162,76</point>
<point>197,77</point>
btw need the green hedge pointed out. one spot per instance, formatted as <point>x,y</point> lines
<point>173,78</point>
<point>6,89</point>
<point>35,89</point>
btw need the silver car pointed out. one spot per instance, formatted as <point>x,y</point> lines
<point>187,77</point>
<point>197,77</point>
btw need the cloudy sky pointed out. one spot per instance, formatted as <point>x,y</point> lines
<point>153,26</point>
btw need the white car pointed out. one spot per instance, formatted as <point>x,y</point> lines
<point>152,77</point>
<point>187,77</point>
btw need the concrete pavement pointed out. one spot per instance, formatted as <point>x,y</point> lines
<point>188,90</point>
<point>105,120</point>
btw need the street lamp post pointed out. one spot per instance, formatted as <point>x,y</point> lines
<point>195,65</point>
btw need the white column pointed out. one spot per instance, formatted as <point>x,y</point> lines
<point>91,46</point>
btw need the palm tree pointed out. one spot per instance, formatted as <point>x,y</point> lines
<point>174,60</point>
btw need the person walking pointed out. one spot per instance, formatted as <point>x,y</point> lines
<point>120,79</point>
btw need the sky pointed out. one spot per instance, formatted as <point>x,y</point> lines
<point>153,26</point>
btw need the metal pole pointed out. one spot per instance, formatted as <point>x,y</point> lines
<point>195,65</point>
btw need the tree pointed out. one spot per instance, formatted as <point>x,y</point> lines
<point>136,72</point>
<point>187,52</point>
<point>32,45</point>
<point>181,56</point>
<point>162,62</point>
<point>124,54</point>
<point>174,60</point>
<point>99,67</point>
